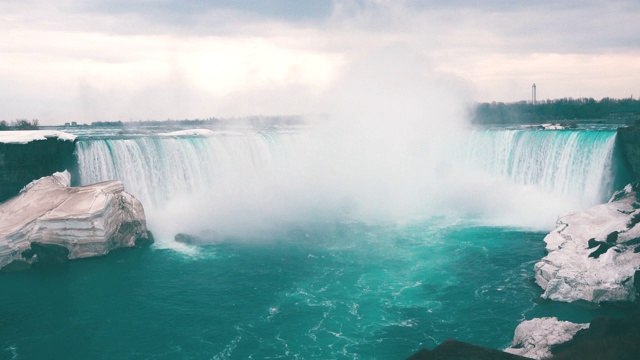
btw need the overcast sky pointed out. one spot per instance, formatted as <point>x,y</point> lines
<point>73,60</point>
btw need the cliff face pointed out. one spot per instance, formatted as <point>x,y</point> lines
<point>22,162</point>
<point>628,139</point>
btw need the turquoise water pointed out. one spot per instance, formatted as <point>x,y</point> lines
<point>286,275</point>
<point>338,290</point>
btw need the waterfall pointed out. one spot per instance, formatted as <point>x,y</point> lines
<point>158,169</point>
<point>225,182</point>
<point>574,164</point>
<point>233,182</point>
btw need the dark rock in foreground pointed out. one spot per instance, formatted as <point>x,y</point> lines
<point>458,350</point>
<point>606,338</point>
<point>603,339</point>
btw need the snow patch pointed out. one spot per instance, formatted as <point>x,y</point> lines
<point>189,132</point>
<point>27,136</point>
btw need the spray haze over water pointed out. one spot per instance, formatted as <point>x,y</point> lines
<point>379,154</point>
<point>394,147</point>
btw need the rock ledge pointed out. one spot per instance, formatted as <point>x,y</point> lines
<point>49,221</point>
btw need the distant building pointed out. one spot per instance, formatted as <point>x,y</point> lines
<point>533,94</point>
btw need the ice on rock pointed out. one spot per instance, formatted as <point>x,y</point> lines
<point>86,221</point>
<point>534,338</point>
<point>27,136</point>
<point>592,254</point>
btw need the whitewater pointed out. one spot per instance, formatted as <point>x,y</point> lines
<point>314,243</point>
<point>236,183</point>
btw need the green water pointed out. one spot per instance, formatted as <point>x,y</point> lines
<point>332,290</point>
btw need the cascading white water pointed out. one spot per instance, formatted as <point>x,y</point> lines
<point>242,182</point>
<point>158,169</point>
<point>215,180</point>
<point>573,164</point>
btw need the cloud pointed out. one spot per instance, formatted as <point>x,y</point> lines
<point>95,60</point>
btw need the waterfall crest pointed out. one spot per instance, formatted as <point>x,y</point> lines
<point>233,182</point>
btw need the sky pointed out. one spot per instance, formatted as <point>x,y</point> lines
<point>91,60</point>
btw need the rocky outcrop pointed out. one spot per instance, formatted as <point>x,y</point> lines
<point>594,255</point>
<point>28,155</point>
<point>51,222</point>
<point>458,350</point>
<point>628,141</point>
<point>534,338</point>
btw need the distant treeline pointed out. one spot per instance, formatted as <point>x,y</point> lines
<point>567,109</point>
<point>153,123</point>
<point>208,122</point>
<point>19,124</point>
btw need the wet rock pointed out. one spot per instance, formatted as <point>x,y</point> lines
<point>189,239</point>
<point>453,349</point>
<point>50,253</point>
<point>605,338</point>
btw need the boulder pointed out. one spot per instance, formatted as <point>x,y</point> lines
<point>458,350</point>
<point>534,338</point>
<point>591,254</point>
<point>605,338</point>
<point>188,239</point>
<point>51,222</point>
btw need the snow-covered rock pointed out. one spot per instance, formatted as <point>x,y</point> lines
<point>534,338</point>
<point>593,255</point>
<point>26,136</point>
<point>49,217</point>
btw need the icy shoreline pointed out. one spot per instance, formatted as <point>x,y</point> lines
<point>593,255</point>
